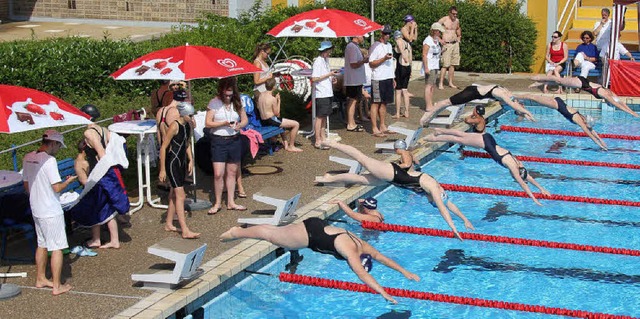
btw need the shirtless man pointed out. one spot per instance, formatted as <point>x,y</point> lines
<point>269,107</point>
<point>451,45</point>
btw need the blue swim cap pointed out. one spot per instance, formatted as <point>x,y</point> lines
<point>367,262</point>
<point>370,203</point>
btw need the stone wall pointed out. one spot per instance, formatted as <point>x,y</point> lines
<point>137,10</point>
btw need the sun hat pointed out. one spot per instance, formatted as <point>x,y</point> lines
<point>400,144</point>
<point>408,18</point>
<point>397,34</point>
<point>53,135</point>
<point>386,29</point>
<point>438,27</point>
<point>370,203</point>
<point>325,45</point>
<point>185,108</point>
<point>367,262</point>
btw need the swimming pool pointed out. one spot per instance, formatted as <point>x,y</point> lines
<point>595,282</point>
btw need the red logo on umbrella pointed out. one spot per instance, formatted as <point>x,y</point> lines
<point>360,22</point>
<point>227,63</point>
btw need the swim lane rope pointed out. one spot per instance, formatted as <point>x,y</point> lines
<point>566,198</point>
<point>405,293</point>
<point>532,130</point>
<point>556,160</point>
<point>498,239</point>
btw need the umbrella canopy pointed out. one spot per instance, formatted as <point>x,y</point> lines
<point>23,109</point>
<point>325,23</point>
<point>185,62</point>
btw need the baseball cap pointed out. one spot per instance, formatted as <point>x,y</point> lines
<point>386,29</point>
<point>370,203</point>
<point>53,135</point>
<point>408,18</point>
<point>397,34</point>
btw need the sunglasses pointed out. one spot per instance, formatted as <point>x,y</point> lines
<point>586,38</point>
<point>228,95</point>
<point>554,37</point>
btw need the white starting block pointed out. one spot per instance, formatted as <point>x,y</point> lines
<point>285,202</point>
<point>411,134</point>
<point>354,166</point>
<point>186,254</point>
<point>448,120</point>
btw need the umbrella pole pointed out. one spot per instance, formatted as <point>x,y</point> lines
<point>280,50</point>
<point>194,203</point>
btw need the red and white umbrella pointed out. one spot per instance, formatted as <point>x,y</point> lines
<point>185,62</point>
<point>324,23</point>
<point>23,109</point>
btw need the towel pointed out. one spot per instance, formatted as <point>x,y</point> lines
<point>255,139</point>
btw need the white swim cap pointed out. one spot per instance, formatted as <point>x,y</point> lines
<point>400,144</point>
<point>590,121</point>
<point>185,108</point>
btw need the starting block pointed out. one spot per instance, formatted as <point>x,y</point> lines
<point>448,120</point>
<point>411,134</point>
<point>187,256</point>
<point>354,166</point>
<point>285,202</point>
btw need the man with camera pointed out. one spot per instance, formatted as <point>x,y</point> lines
<point>382,80</point>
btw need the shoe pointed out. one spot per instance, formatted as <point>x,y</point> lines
<point>237,207</point>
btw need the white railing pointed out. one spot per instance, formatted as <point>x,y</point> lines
<point>573,13</point>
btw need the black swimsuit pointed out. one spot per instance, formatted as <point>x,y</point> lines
<point>587,87</point>
<point>91,153</point>
<point>402,179</point>
<point>176,156</point>
<point>320,241</point>
<point>490,146</point>
<point>562,109</point>
<point>469,94</point>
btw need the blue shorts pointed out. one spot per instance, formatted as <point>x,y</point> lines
<point>226,149</point>
<point>382,91</point>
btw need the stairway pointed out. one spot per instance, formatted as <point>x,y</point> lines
<point>589,14</point>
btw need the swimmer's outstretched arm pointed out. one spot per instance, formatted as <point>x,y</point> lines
<point>513,169</point>
<point>590,132</point>
<point>535,183</point>
<point>457,212</point>
<point>614,100</point>
<point>354,262</point>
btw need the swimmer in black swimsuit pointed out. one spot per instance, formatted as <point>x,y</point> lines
<point>367,210</point>
<point>500,155</point>
<point>175,156</point>
<point>473,92</point>
<point>384,172</point>
<point>313,233</point>
<point>571,114</point>
<point>476,119</point>
<point>597,90</point>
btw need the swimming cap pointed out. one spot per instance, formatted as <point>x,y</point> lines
<point>400,144</point>
<point>367,262</point>
<point>185,108</point>
<point>523,173</point>
<point>480,110</point>
<point>370,203</point>
<point>91,110</point>
<point>590,121</point>
<point>180,95</point>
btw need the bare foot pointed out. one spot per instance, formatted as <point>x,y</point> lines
<point>454,87</point>
<point>424,120</point>
<point>93,243</point>
<point>440,87</point>
<point>293,149</point>
<point>190,235</point>
<point>44,283</point>
<point>396,116</point>
<point>328,143</point>
<point>170,228</point>
<point>228,235</point>
<point>326,178</point>
<point>60,290</point>
<point>535,85</point>
<point>114,245</point>
<point>409,94</point>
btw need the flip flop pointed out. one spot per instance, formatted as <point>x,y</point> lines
<point>358,128</point>
<point>379,134</point>
<point>237,207</point>
<point>241,195</point>
<point>324,148</point>
<point>213,211</point>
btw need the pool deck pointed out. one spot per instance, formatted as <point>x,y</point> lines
<point>102,285</point>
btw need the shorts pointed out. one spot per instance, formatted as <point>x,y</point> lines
<point>324,106</point>
<point>550,67</point>
<point>354,92</point>
<point>403,73</point>
<point>450,55</point>
<point>51,232</point>
<point>226,149</point>
<point>431,78</point>
<point>272,121</point>
<point>382,91</point>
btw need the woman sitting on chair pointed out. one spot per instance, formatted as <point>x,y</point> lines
<point>399,175</point>
<point>315,234</point>
<point>500,155</point>
<point>571,114</point>
<point>597,90</point>
<point>476,92</point>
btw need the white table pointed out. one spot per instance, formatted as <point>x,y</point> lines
<point>9,179</point>
<point>144,129</point>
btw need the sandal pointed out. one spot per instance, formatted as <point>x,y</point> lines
<point>237,207</point>
<point>358,128</point>
<point>241,195</point>
<point>379,134</point>
<point>213,211</point>
<point>320,147</point>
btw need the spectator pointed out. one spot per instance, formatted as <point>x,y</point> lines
<point>451,50</point>
<point>431,50</point>
<point>225,118</point>
<point>161,97</point>
<point>354,78</point>
<point>269,107</point>
<point>409,29</point>
<point>322,76</point>
<point>404,57</point>
<point>557,54</point>
<point>601,29</point>
<point>176,159</point>
<point>380,55</point>
<point>367,210</point>
<point>260,56</point>
<point>365,102</point>
<point>43,183</point>
<point>620,49</point>
<point>586,55</point>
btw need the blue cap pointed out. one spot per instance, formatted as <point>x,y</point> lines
<point>408,18</point>
<point>367,262</point>
<point>370,203</point>
<point>325,45</point>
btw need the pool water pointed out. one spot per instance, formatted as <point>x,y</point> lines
<point>569,279</point>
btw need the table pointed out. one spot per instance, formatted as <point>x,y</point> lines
<point>9,180</point>
<point>144,129</point>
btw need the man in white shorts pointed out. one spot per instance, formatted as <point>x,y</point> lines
<point>43,183</point>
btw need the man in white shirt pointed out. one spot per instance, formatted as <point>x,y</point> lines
<point>382,83</point>
<point>323,78</point>
<point>601,29</point>
<point>43,183</point>
<point>354,78</point>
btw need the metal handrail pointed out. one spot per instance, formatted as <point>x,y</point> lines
<point>574,12</point>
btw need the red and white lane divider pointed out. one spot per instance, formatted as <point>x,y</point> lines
<point>479,302</point>
<point>532,130</point>
<point>556,160</point>
<point>498,239</point>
